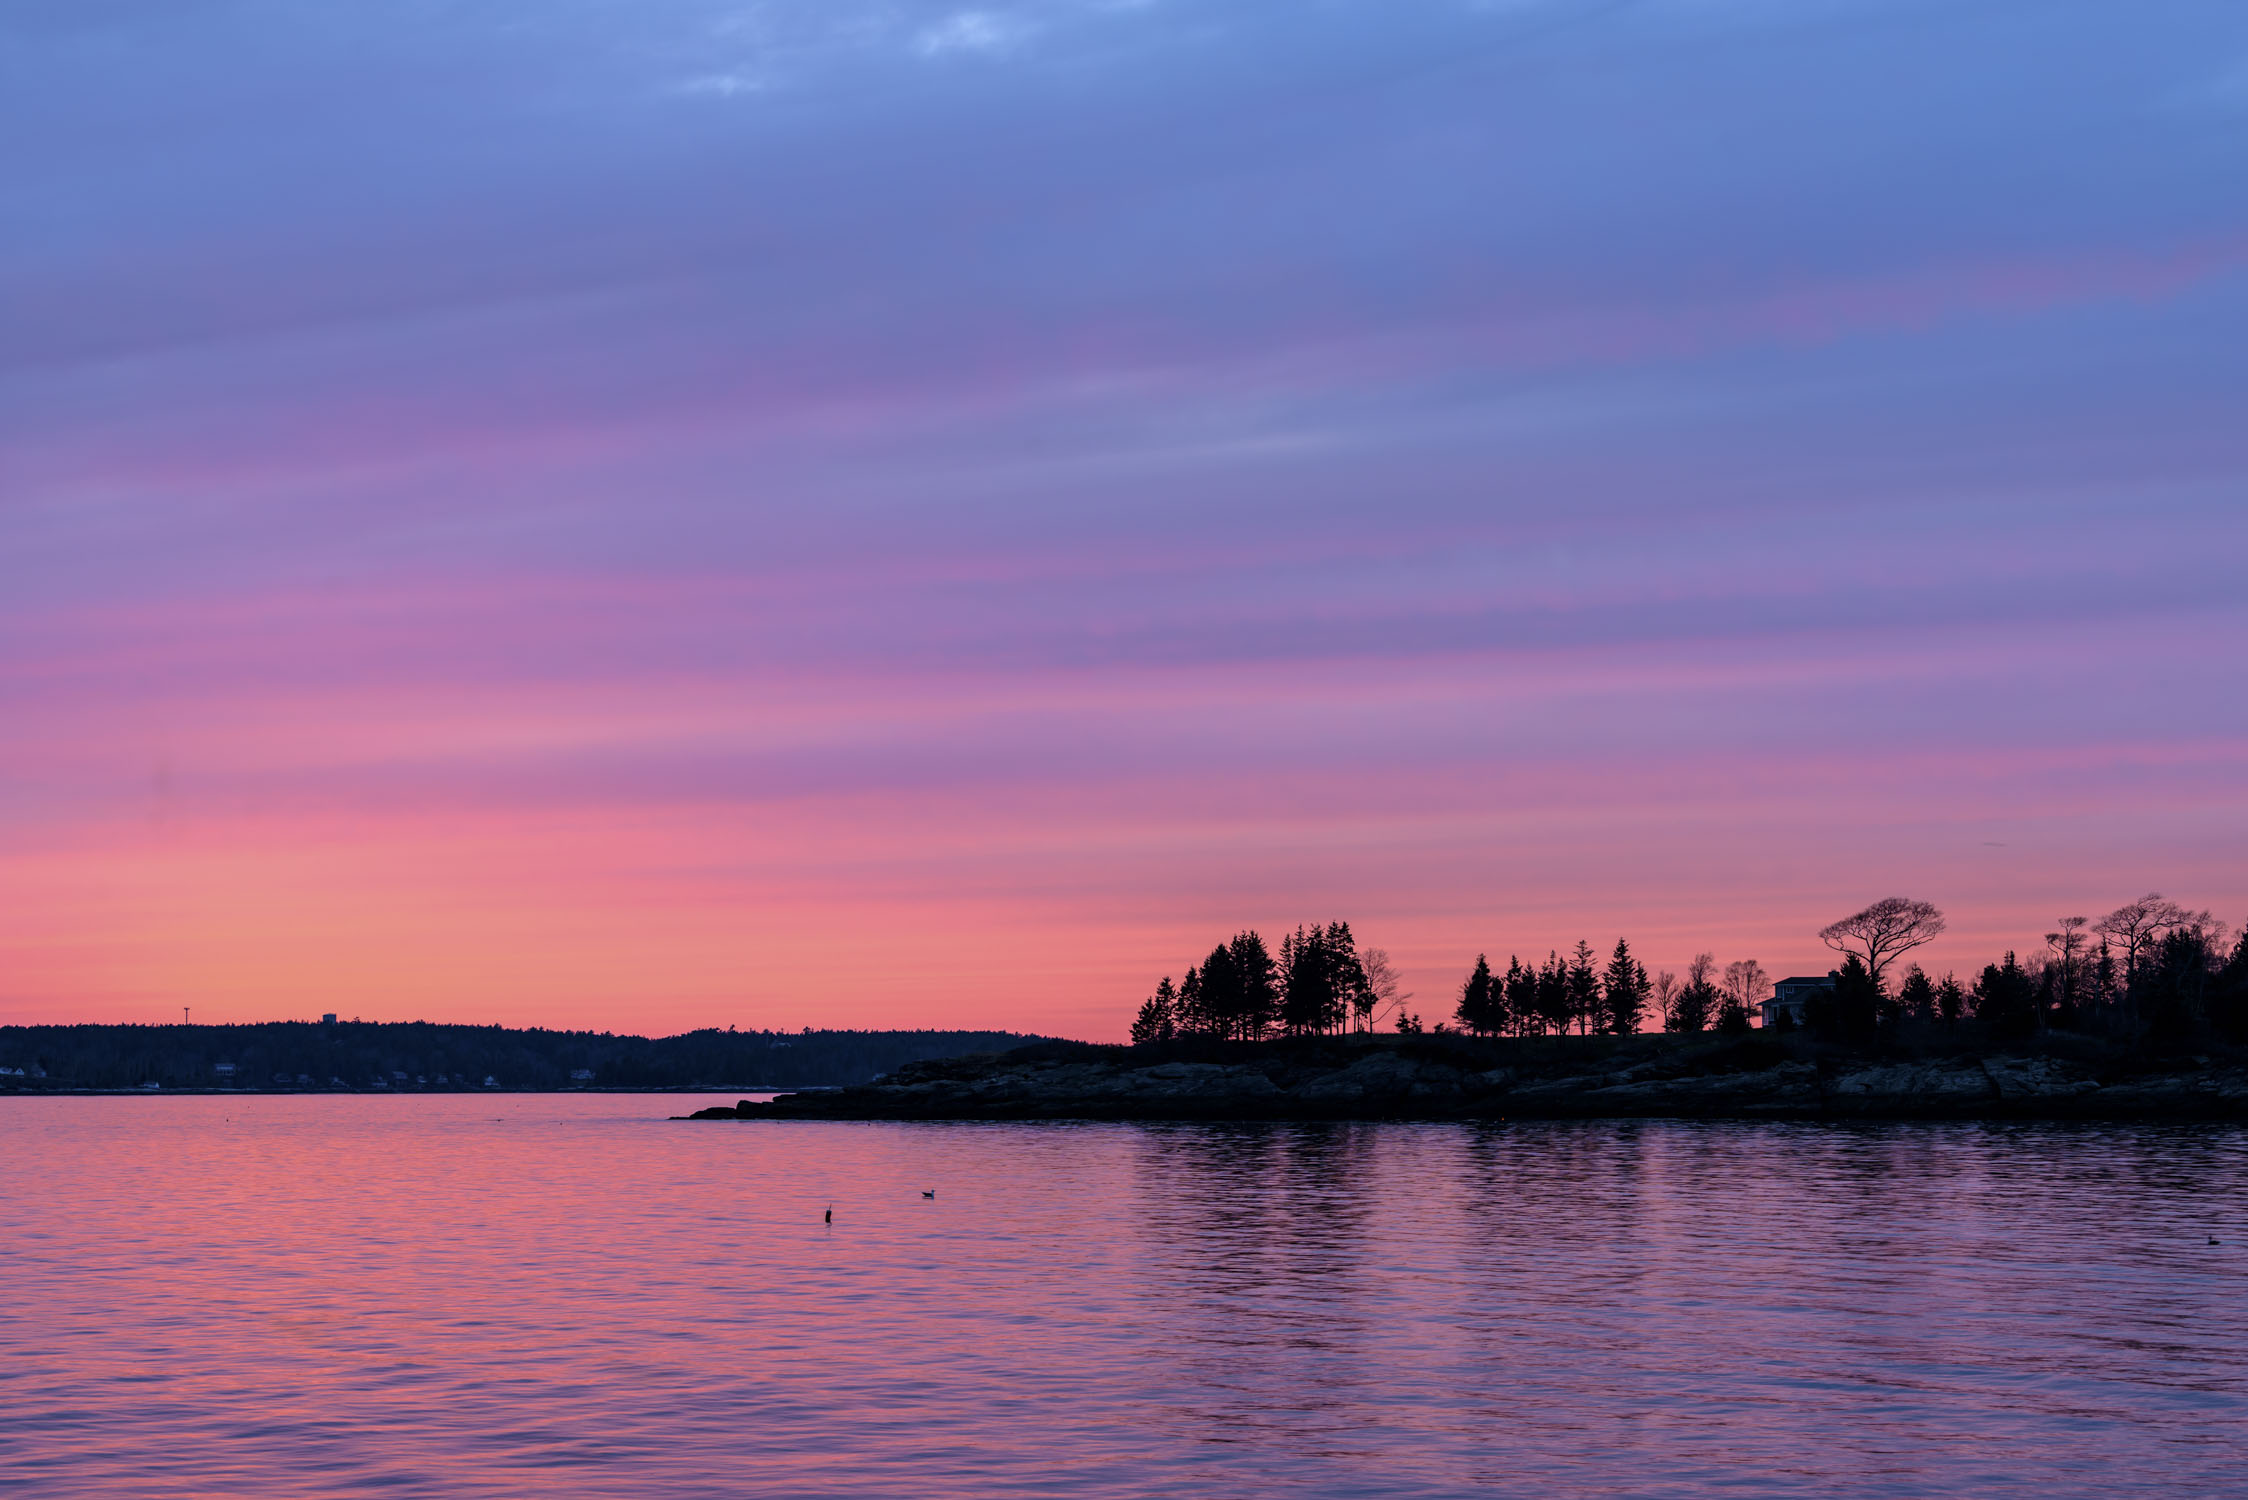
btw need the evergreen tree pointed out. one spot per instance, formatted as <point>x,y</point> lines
<point>1584,989</point>
<point>1625,988</point>
<point>2228,995</point>
<point>1190,1014</point>
<point>1521,989</point>
<point>1696,1003</point>
<point>2174,983</point>
<point>1316,983</point>
<point>1156,1022</point>
<point>1850,1010</point>
<point>1951,1000</point>
<point>1222,998</point>
<point>1256,993</point>
<point>1916,997</point>
<point>1354,987</point>
<point>2006,999</point>
<point>1476,1011</point>
<point>2105,981</point>
<point>1553,993</point>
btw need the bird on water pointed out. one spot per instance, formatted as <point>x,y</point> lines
<point>829,1216</point>
<point>932,1192</point>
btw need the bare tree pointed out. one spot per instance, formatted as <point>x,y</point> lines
<point>1746,984</point>
<point>2137,926</point>
<point>1666,996</point>
<point>1384,992</point>
<point>2069,947</point>
<point>1884,930</point>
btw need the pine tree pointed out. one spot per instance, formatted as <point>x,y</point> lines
<point>1190,1015</point>
<point>1624,987</point>
<point>1256,995</point>
<point>1521,989</point>
<point>1476,1012</point>
<point>1584,989</point>
<point>1850,1010</point>
<point>1951,999</point>
<point>1315,982</point>
<point>1696,1002</point>
<point>1553,993</point>
<point>1916,997</point>
<point>2006,999</point>
<point>1354,990</point>
<point>1156,1023</point>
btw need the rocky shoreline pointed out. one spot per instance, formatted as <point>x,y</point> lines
<point>1456,1078</point>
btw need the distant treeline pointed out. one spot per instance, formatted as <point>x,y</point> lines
<point>2149,970</point>
<point>367,1056</point>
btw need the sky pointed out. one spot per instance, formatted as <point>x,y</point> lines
<point>645,514</point>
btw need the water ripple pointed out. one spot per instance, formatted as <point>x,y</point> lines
<point>345,1297</point>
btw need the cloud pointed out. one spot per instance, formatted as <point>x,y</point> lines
<point>724,85</point>
<point>973,31</point>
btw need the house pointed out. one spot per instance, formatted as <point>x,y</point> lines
<point>1789,996</point>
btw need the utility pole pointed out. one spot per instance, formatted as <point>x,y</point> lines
<point>183,1015</point>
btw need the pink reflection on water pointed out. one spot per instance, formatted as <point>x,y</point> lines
<point>571,1296</point>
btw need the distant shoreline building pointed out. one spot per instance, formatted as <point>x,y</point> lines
<point>1789,997</point>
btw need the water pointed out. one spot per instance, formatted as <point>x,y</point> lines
<point>568,1296</point>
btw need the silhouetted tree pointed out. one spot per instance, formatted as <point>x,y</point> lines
<point>1951,999</point>
<point>1745,989</point>
<point>2106,980</point>
<point>1882,931</point>
<point>1518,997</point>
<point>1156,1022</point>
<point>1320,972</point>
<point>1666,998</point>
<point>2067,970</point>
<point>1624,989</point>
<point>1382,993</point>
<point>1348,969</point>
<point>2006,1000</point>
<point>2136,926</point>
<point>1916,997</point>
<point>1696,1001</point>
<point>1554,1008</point>
<point>2172,996</point>
<point>2228,995</point>
<point>1852,1008</point>
<point>1254,999</point>
<point>1477,1011</point>
<point>1189,1015</point>
<point>1584,989</point>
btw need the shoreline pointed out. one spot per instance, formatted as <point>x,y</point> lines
<point>1753,1077</point>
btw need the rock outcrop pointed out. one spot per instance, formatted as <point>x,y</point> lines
<point>1753,1077</point>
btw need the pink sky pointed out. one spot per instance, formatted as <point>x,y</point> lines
<point>945,534</point>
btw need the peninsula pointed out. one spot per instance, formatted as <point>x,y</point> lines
<point>1454,1077</point>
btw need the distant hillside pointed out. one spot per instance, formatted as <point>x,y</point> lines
<point>413,1056</point>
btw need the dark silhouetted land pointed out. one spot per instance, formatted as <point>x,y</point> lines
<point>419,1056</point>
<point>1948,1073</point>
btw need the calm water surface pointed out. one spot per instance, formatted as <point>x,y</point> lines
<point>570,1296</point>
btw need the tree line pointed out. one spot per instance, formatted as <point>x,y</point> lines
<point>419,1056</point>
<point>1319,984</point>
<point>2150,969</point>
